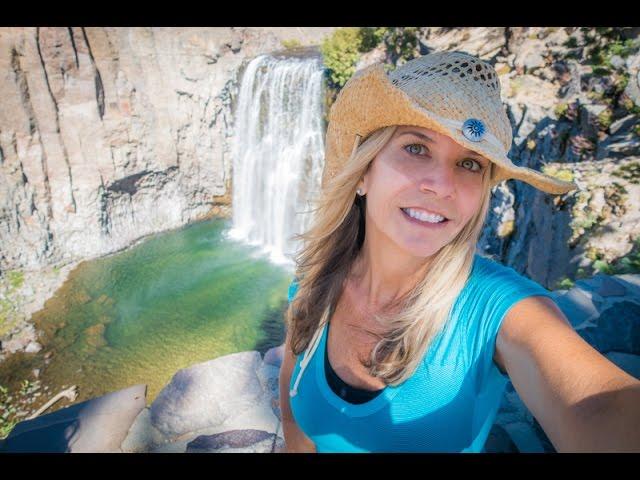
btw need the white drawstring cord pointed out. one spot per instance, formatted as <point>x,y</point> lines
<point>315,341</point>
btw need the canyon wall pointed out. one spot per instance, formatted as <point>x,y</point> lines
<point>111,134</point>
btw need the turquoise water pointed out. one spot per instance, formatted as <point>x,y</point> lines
<point>139,316</point>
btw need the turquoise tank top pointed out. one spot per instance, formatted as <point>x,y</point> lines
<point>449,403</point>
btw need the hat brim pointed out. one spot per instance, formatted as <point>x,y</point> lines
<point>370,101</point>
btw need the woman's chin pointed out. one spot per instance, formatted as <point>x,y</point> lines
<point>420,249</point>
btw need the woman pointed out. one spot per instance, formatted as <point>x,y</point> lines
<point>424,332</point>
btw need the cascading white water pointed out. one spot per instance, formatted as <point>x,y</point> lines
<point>278,153</point>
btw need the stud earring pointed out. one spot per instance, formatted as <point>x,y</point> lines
<point>359,191</point>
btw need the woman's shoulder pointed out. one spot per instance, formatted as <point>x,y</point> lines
<point>484,262</point>
<point>293,288</point>
<point>484,266</point>
<point>490,277</point>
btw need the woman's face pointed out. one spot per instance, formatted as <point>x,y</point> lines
<point>423,170</point>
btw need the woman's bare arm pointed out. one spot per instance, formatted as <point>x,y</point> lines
<point>294,438</point>
<point>581,399</point>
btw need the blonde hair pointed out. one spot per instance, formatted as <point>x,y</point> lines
<point>329,249</point>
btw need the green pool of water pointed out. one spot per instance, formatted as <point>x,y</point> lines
<point>139,316</point>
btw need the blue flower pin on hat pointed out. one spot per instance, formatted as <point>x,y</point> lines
<point>473,129</point>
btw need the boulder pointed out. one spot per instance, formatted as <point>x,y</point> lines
<point>367,59</point>
<point>631,283</point>
<point>259,418</point>
<point>622,141</point>
<point>626,361</point>
<point>499,441</point>
<point>524,437</point>
<point>632,89</point>
<point>208,394</point>
<point>485,42</point>
<point>531,59</point>
<point>611,288</point>
<point>617,62</point>
<point>142,435</point>
<point>578,307</point>
<point>589,121</point>
<point>269,376</point>
<point>22,338</point>
<point>274,356</point>
<point>98,425</point>
<point>618,328</point>
<point>33,347</point>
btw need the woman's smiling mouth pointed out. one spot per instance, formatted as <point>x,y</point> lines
<point>428,221</point>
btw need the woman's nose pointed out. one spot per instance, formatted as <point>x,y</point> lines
<point>439,179</point>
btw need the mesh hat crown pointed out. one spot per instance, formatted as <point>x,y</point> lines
<point>453,93</point>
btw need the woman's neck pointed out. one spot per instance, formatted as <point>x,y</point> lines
<point>383,278</point>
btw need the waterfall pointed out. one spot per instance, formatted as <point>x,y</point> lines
<point>278,153</point>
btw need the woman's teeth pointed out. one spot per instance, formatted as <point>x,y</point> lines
<point>425,217</point>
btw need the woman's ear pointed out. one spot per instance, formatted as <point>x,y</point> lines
<point>363,184</point>
<point>361,189</point>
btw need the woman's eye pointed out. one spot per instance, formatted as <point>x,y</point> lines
<point>415,148</point>
<point>471,162</point>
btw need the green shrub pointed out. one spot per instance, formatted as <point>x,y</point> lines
<point>601,71</point>
<point>16,278</point>
<point>620,82</point>
<point>341,52</point>
<point>25,386</point>
<point>6,426</point>
<point>603,266</point>
<point>629,105</point>
<point>630,263</point>
<point>605,118</point>
<point>561,110</point>
<point>564,174</point>
<point>630,172</point>
<point>7,317</point>
<point>571,42</point>
<point>292,43</point>
<point>370,37</point>
<point>593,254</point>
<point>600,55</point>
<point>7,410</point>
<point>564,284</point>
<point>620,48</point>
<point>401,43</point>
<point>586,222</point>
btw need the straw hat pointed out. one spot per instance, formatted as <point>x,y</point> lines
<point>453,93</point>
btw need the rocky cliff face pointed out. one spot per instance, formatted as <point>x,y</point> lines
<point>573,97</point>
<point>111,134</point>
